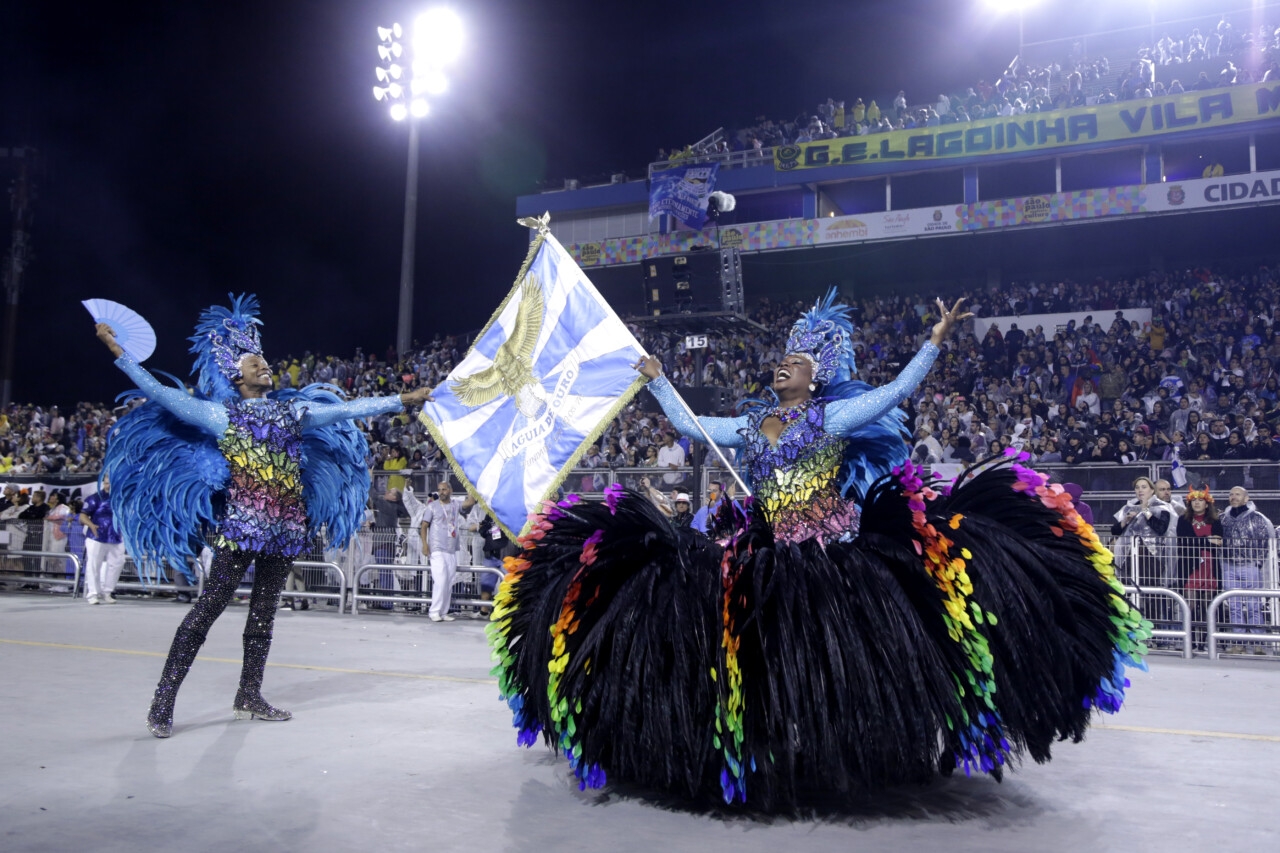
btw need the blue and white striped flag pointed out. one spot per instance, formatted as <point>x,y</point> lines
<point>550,370</point>
<point>1178,473</point>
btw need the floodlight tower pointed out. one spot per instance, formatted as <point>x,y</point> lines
<point>435,41</point>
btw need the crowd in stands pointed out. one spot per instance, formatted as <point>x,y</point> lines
<point>1246,55</point>
<point>37,441</point>
<point>1202,382</point>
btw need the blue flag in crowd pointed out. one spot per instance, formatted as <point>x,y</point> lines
<point>683,192</point>
<point>1178,472</point>
<point>551,369</point>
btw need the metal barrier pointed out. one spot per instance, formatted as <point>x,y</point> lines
<point>141,585</point>
<point>1183,608</point>
<point>43,579</point>
<point>1239,637</point>
<point>324,592</point>
<point>412,596</point>
<point>330,569</point>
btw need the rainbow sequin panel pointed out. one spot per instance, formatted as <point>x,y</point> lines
<point>796,479</point>
<point>264,509</point>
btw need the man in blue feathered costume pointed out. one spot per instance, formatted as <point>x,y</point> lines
<point>260,470</point>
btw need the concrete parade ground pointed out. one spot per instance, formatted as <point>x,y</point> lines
<point>399,742</point>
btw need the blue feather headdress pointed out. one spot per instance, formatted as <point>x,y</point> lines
<point>824,335</point>
<point>224,335</point>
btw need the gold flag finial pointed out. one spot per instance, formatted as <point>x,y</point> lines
<point>538,222</point>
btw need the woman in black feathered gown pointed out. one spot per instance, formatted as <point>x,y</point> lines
<point>853,626</point>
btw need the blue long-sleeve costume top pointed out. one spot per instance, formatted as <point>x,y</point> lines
<point>796,479</point>
<point>261,440</point>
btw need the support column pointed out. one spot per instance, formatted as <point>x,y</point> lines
<point>971,185</point>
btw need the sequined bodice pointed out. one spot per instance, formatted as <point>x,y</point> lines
<point>796,479</point>
<point>264,509</point>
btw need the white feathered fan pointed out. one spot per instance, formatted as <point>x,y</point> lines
<point>133,333</point>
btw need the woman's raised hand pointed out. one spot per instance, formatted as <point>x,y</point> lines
<point>943,328</point>
<point>649,366</point>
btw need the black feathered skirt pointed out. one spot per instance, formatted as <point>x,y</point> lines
<point>959,629</point>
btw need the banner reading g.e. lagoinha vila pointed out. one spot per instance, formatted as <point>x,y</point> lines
<point>1124,120</point>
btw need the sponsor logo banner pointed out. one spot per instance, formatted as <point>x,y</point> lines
<point>1124,120</point>
<point>1201,193</point>
<point>1214,192</point>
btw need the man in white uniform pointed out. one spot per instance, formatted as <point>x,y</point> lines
<point>440,533</point>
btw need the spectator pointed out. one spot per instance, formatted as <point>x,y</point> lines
<point>387,512</point>
<point>395,461</point>
<point>1076,492</point>
<point>593,458</point>
<point>1102,450</point>
<point>711,505</point>
<point>671,457</point>
<point>104,549</point>
<point>55,534</point>
<point>682,517</point>
<point>1164,491</point>
<point>1246,537</point>
<point>1142,530</point>
<point>34,514</point>
<point>1200,534</point>
<point>656,496</point>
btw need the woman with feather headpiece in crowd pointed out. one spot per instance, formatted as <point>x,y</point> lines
<point>261,470</point>
<point>857,626</point>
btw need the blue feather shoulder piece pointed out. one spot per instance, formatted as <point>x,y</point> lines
<point>166,478</point>
<point>875,449</point>
<point>335,474</point>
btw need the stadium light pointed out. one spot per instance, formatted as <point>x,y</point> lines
<point>1002,7</point>
<point>437,36</point>
<point>434,44</point>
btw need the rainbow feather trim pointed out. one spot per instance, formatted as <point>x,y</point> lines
<point>979,731</point>
<point>1130,631</point>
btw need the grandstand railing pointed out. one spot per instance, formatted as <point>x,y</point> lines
<point>728,160</point>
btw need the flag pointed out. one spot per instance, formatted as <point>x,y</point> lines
<point>683,192</point>
<point>551,369</point>
<point>1178,474</point>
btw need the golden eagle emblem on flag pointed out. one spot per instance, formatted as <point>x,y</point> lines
<point>511,374</point>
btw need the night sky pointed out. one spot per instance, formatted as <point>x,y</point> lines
<point>191,149</point>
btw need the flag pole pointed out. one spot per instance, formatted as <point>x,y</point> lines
<point>719,453</point>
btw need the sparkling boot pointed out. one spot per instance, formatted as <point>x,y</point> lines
<point>186,644</point>
<point>249,702</point>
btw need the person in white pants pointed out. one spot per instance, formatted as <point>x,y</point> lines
<point>440,533</point>
<point>104,549</point>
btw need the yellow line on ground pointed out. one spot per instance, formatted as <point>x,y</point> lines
<point>1189,733</point>
<point>384,674</point>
